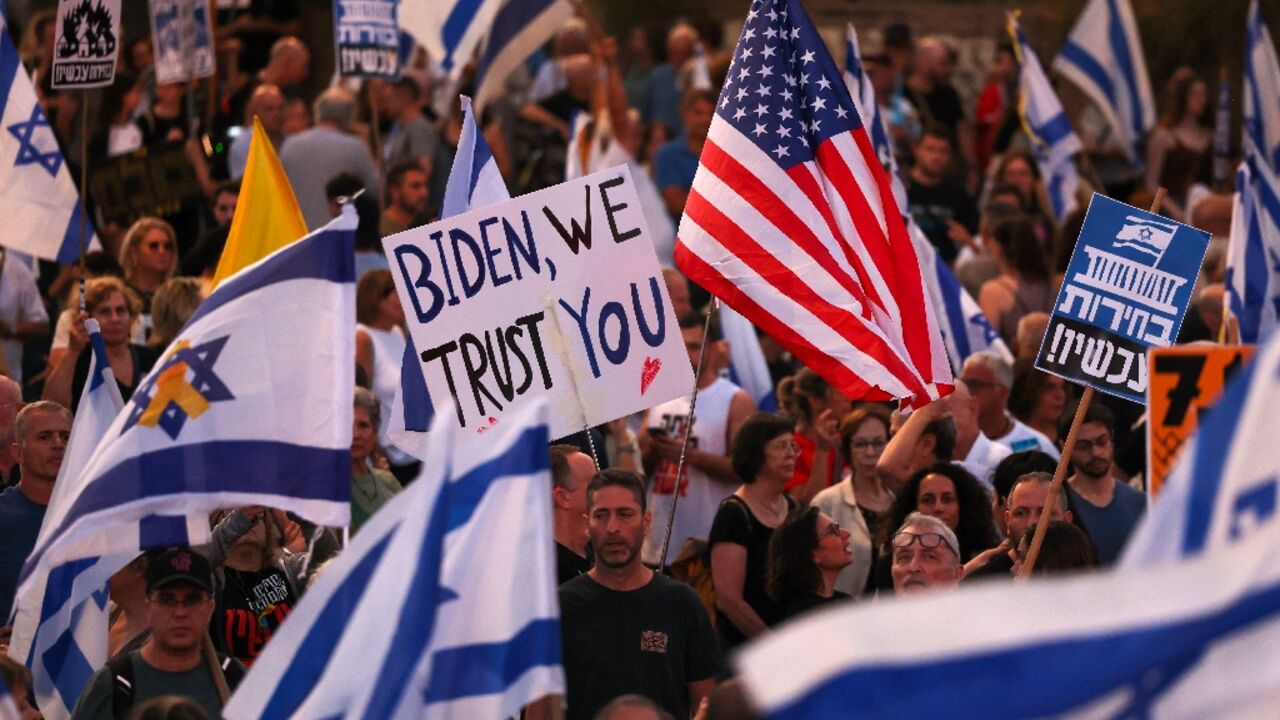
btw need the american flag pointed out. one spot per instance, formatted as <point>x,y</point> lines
<point>792,222</point>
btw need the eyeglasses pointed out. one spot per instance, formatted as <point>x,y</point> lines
<point>166,600</point>
<point>1101,442</point>
<point>832,529</point>
<point>860,445</point>
<point>928,541</point>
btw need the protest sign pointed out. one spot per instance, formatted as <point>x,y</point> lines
<point>86,44</point>
<point>1184,380</point>
<point>1126,289</point>
<point>368,38</point>
<point>183,39</point>
<point>151,181</point>
<point>555,293</point>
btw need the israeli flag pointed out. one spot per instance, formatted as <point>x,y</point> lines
<point>474,181</point>
<point>38,199</point>
<point>1261,89</point>
<point>450,30</point>
<point>62,641</point>
<point>519,29</point>
<point>1103,57</point>
<point>1253,255</point>
<point>1043,119</point>
<point>1145,236</point>
<point>1186,627</point>
<point>965,329</point>
<point>251,405</point>
<point>444,606</point>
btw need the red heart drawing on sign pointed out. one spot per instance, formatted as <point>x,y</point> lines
<point>650,371</point>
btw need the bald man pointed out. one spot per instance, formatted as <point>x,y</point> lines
<point>266,102</point>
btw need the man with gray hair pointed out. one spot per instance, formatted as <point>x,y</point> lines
<point>40,434</point>
<point>988,377</point>
<point>329,148</point>
<point>926,555</point>
<point>10,404</point>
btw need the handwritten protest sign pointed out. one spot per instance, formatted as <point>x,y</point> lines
<point>86,43</point>
<point>1184,380</point>
<point>555,293</point>
<point>1126,289</point>
<point>183,40</point>
<point>368,38</point>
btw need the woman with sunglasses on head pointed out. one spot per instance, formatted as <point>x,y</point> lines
<point>380,342</point>
<point>806,554</point>
<point>860,499</point>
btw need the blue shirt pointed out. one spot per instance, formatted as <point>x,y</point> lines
<point>674,165</point>
<point>1109,527</point>
<point>662,98</point>
<point>19,526</point>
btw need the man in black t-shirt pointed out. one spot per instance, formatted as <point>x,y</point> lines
<point>626,629</point>
<point>571,472</point>
<point>944,211</point>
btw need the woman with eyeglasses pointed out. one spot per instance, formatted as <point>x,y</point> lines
<point>951,494</point>
<point>806,554</point>
<point>861,499</point>
<point>380,342</point>
<point>148,257</point>
<point>764,458</point>
<point>115,307</point>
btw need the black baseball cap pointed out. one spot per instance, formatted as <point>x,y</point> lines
<point>179,564</point>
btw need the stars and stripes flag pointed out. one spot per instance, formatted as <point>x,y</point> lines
<point>965,328</point>
<point>1103,57</point>
<point>444,606</point>
<point>792,222</point>
<point>1261,89</point>
<point>1053,141</point>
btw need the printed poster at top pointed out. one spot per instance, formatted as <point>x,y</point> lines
<point>86,43</point>
<point>182,39</point>
<point>1126,289</point>
<point>368,38</point>
<point>554,293</point>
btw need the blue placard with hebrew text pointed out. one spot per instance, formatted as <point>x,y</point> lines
<point>1126,289</point>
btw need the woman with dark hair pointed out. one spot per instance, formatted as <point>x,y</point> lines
<point>1066,548</point>
<point>951,494</point>
<point>1037,398</point>
<point>1180,139</point>
<point>1017,169</point>
<point>114,131</point>
<point>764,458</point>
<point>816,408</point>
<point>1023,284</point>
<point>806,553</point>
<point>861,499</point>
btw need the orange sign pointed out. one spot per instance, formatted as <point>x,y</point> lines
<point>1183,380</point>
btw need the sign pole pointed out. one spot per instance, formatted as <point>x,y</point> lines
<point>84,181</point>
<point>1068,446</point>
<point>684,443</point>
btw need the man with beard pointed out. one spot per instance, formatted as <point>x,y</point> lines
<point>1108,509</point>
<point>626,629</point>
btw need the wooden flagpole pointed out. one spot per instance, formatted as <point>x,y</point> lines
<point>1069,446</point>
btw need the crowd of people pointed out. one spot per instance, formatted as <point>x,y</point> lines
<point>824,501</point>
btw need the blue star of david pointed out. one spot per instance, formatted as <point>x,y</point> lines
<point>989,333</point>
<point>200,360</point>
<point>28,153</point>
<point>1145,234</point>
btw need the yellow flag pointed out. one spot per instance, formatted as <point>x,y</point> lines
<point>267,214</point>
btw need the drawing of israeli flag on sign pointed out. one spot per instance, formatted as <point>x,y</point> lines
<point>1146,235</point>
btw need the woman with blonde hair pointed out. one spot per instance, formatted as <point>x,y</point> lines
<point>148,257</point>
<point>115,307</point>
<point>171,307</point>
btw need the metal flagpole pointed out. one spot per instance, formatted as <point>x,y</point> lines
<point>688,430</point>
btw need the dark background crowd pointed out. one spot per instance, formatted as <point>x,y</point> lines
<point>823,501</point>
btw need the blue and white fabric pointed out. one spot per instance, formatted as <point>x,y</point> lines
<point>444,606</point>
<point>1253,254</point>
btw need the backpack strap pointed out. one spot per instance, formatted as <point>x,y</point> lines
<point>121,667</point>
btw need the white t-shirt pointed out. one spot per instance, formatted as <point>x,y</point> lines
<point>19,302</point>
<point>983,458</point>
<point>1023,437</point>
